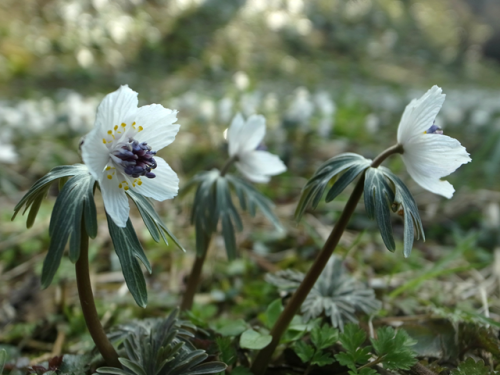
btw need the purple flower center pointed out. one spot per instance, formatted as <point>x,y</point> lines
<point>434,129</point>
<point>137,159</point>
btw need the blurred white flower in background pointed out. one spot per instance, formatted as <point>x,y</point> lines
<point>120,151</point>
<point>301,107</point>
<point>428,154</point>
<point>244,141</point>
<point>327,109</point>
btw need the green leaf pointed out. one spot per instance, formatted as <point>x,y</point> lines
<point>227,349</point>
<point>272,313</point>
<point>251,339</point>
<point>471,367</point>
<point>230,327</point>
<point>129,249</point>
<point>379,196</point>
<point>3,359</point>
<point>324,336</point>
<point>304,351</point>
<point>351,339</point>
<point>152,220</point>
<point>394,348</point>
<point>240,370</point>
<point>366,371</point>
<point>412,221</point>
<point>39,189</point>
<point>250,198</point>
<point>328,171</point>
<point>322,358</point>
<point>75,199</point>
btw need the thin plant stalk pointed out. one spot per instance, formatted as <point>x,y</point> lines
<point>92,321</point>
<point>263,357</point>
<point>194,278</point>
<point>195,275</point>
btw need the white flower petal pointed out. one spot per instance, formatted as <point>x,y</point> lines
<point>115,200</point>
<point>233,134</point>
<point>164,186</point>
<point>95,154</point>
<point>420,114</point>
<point>118,107</point>
<point>258,165</point>
<point>158,128</point>
<point>252,133</point>
<point>428,157</point>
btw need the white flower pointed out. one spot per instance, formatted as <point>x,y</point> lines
<point>428,154</point>
<point>244,140</point>
<point>120,151</point>
<point>8,154</point>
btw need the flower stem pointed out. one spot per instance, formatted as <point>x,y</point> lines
<point>194,278</point>
<point>226,166</point>
<point>88,305</point>
<point>263,357</point>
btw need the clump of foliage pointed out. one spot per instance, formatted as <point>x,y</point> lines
<point>336,294</point>
<point>160,347</point>
<point>391,348</point>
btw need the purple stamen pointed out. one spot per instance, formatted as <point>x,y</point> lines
<point>137,159</point>
<point>434,129</point>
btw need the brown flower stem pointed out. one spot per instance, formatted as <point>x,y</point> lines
<point>226,166</point>
<point>263,357</point>
<point>88,305</point>
<point>194,278</point>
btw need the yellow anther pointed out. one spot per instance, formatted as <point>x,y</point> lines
<point>126,188</point>
<point>123,124</point>
<point>141,128</point>
<point>108,168</point>
<point>139,182</point>
<point>120,186</point>
<point>104,141</point>
<point>109,177</point>
<point>110,132</point>
<point>116,127</point>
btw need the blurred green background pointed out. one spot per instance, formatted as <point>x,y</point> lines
<point>330,76</point>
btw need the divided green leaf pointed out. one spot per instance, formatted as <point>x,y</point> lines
<point>304,351</point>
<point>324,336</point>
<point>471,367</point>
<point>351,164</point>
<point>351,339</point>
<point>75,201</point>
<point>152,220</point>
<point>213,203</point>
<point>384,191</point>
<point>129,249</point>
<point>394,348</point>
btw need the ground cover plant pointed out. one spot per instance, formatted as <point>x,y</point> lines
<point>270,231</point>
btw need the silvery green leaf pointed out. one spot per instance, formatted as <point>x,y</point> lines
<point>160,347</point>
<point>75,201</point>
<point>412,221</point>
<point>152,220</point>
<point>37,192</point>
<point>129,249</point>
<point>379,197</point>
<point>335,294</point>
<point>213,203</point>
<point>351,164</point>
<point>250,198</point>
